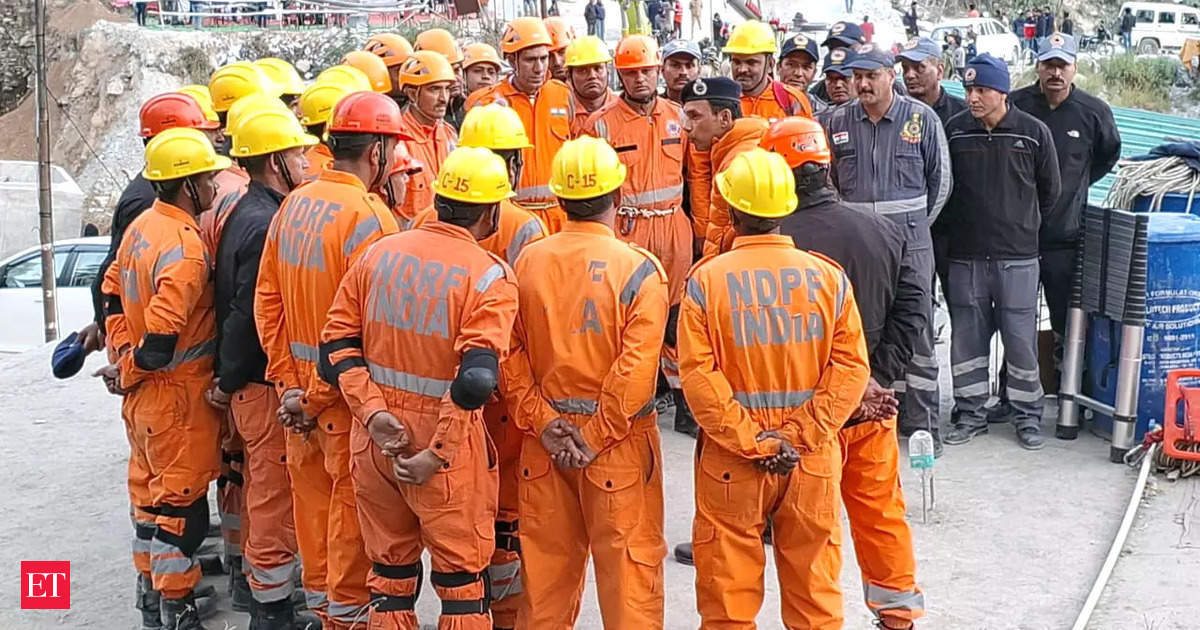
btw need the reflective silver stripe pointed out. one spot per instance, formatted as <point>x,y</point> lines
<point>896,206</point>
<point>532,228</point>
<point>974,389</point>
<point>273,594</point>
<point>494,273</point>
<point>166,258</point>
<point>274,575</point>
<point>601,129</point>
<point>584,406</point>
<point>167,559</point>
<point>343,612</point>
<point>534,192</point>
<point>882,598</point>
<point>315,599</point>
<point>404,381</point>
<point>140,545</point>
<point>634,283</point>
<point>506,579</point>
<point>203,349</point>
<point>841,296</point>
<point>921,383</point>
<point>773,400</point>
<point>696,292</point>
<point>900,386</point>
<point>653,196</point>
<point>923,361</point>
<point>304,352</point>
<point>1018,395</point>
<point>1032,376</point>
<point>962,367</point>
<point>362,232</point>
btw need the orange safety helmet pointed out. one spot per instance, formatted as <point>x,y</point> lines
<point>372,66</point>
<point>637,51</point>
<point>480,53</point>
<point>799,140</point>
<point>170,110</point>
<point>561,33</point>
<point>393,49</point>
<point>440,40</point>
<point>367,112</point>
<point>522,33</point>
<point>425,67</point>
<point>403,161</point>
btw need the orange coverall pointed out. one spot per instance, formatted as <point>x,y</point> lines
<point>319,158</point>
<point>547,118</point>
<point>430,146</point>
<point>163,331</point>
<point>585,348</point>
<point>651,213</point>
<point>321,228</point>
<point>518,228</point>
<point>767,105</point>
<point>770,339</point>
<point>580,114</point>
<point>744,135</point>
<point>404,316</point>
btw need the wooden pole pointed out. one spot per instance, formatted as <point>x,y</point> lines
<point>45,211</point>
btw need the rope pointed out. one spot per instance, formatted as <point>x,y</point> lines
<point>1154,179</point>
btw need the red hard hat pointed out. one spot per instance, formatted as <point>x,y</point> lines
<point>799,140</point>
<point>170,110</point>
<point>367,112</point>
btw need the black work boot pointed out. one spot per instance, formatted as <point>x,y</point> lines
<point>277,615</point>
<point>685,422</point>
<point>239,587</point>
<point>149,601</point>
<point>181,614</point>
<point>210,564</point>
<point>683,554</point>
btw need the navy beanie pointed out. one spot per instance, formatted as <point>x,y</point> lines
<point>987,71</point>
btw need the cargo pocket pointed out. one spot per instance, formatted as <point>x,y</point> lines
<point>728,484</point>
<point>620,483</point>
<point>909,168</point>
<point>446,488</point>
<point>961,283</point>
<point>647,558</point>
<point>157,413</point>
<point>534,467</point>
<point>817,491</point>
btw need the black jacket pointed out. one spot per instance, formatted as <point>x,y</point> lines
<point>947,106</point>
<point>892,295</point>
<point>1087,144</point>
<point>136,198</point>
<point>1006,184</point>
<point>240,356</point>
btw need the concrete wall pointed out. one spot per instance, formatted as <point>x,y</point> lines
<point>19,205</point>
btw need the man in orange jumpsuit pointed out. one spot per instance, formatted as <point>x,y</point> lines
<point>439,40</point>
<point>587,62</point>
<point>647,132</point>
<point>159,318</point>
<point>751,49</point>
<point>320,229</point>
<point>545,108</point>
<point>414,340</point>
<point>561,36</point>
<point>481,67</point>
<point>715,123</point>
<point>891,297</point>
<point>316,105</point>
<point>427,79</point>
<point>584,396</point>
<point>395,188</point>
<point>774,361</point>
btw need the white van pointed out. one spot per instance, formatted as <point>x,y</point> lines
<point>1162,25</point>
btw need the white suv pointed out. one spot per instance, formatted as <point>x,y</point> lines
<point>1162,26</point>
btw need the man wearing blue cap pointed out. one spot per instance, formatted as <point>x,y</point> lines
<point>798,59</point>
<point>1088,146</point>
<point>1007,186</point>
<point>890,158</point>
<point>836,84</point>
<point>842,35</point>
<point>921,61</point>
<point>680,65</point>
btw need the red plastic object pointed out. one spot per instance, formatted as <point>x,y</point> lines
<point>1189,430</point>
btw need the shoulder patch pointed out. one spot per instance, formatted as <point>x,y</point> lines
<point>662,273</point>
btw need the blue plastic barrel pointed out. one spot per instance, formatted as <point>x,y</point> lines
<point>1171,202</point>
<point>1172,338</point>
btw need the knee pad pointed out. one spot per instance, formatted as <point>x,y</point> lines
<point>386,602</point>
<point>506,535</point>
<point>156,352</point>
<point>195,524</point>
<point>459,579</point>
<point>477,376</point>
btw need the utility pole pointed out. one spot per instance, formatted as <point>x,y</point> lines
<point>45,212</point>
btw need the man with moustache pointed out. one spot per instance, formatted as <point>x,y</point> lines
<point>680,65</point>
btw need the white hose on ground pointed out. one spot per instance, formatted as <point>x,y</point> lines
<point>1118,543</point>
<point>1152,178</point>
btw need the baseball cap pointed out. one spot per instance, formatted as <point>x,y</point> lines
<point>835,60</point>
<point>1058,46</point>
<point>919,50</point>
<point>681,47</point>
<point>869,57</point>
<point>845,33</point>
<point>798,43</point>
<point>68,357</point>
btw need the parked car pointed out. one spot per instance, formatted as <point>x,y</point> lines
<point>1162,26</point>
<point>76,263</point>
<point>990,36</point>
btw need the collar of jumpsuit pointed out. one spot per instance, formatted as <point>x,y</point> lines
<point>742,129</point>
<point>448,229</point>
<point>341,177</point>
<point>771,240</point>
<point>889,115</point>
<point>175,212</point>
<point>426,132</point>
<point>588,227</point>
<point>631,115</point>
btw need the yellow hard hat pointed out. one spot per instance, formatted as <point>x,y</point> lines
<point>203,97</point>
<point>585,168</point>
<point>282,73</point>
<point>247,105</point>
<point>373,67</point>
<point>181,152</point>
<point>759,183</point>
<point>493,126</point>
<point>317,101</point>
<point>473,175</point>
<point>751,38</point>
<point>586,51</point>
<point>231,82</point>
<point>424,67</point>
<point>480,53</point>
<point>350,77</point>
<point>268,131</point>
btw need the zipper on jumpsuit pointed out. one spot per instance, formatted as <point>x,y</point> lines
<point>627,220</point>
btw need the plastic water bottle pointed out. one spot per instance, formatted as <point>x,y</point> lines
<point>920,457</point>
